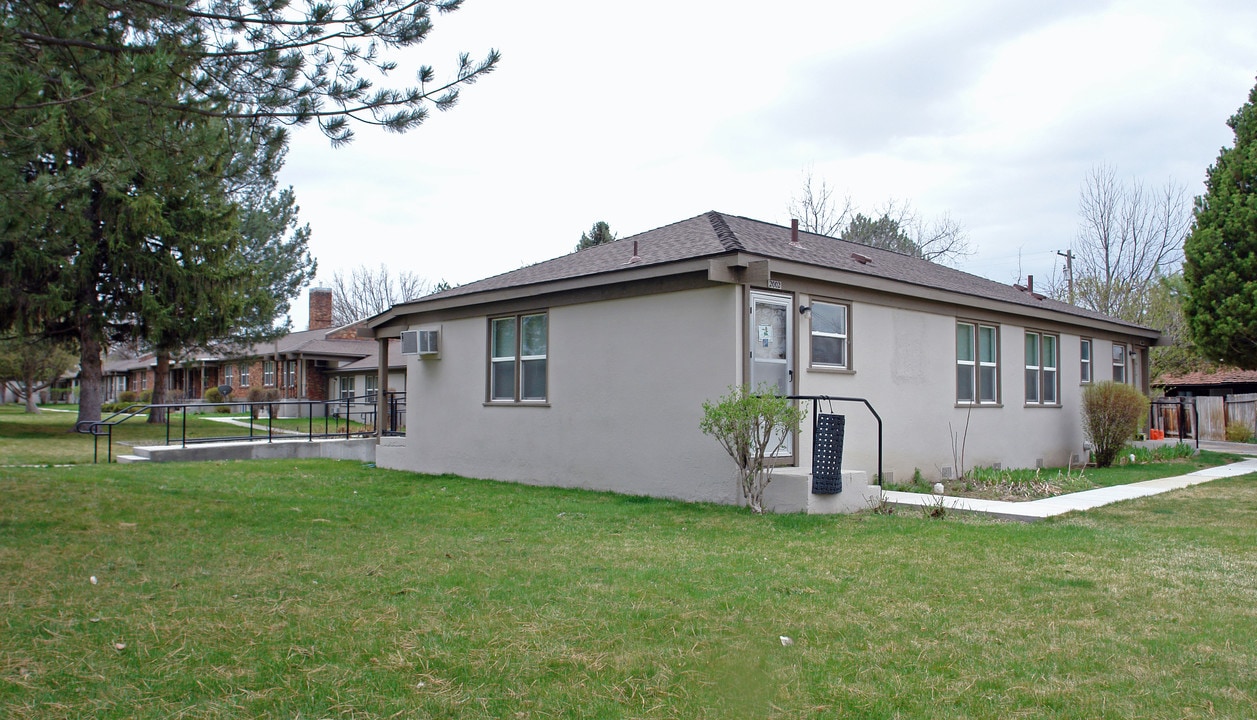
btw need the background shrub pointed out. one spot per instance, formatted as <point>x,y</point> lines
<point>213,395</point>
<point>1111,413</point>
<point>146,397</point>
<point>126,396</point>
<point>1238,432</point>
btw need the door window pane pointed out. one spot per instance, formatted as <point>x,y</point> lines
<point>770,327</point>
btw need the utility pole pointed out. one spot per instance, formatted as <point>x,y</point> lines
<point>1069,271</point>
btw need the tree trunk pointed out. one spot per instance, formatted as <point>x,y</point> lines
<point>32,394</point>
<point>158,415</point>
<point>90,378</point>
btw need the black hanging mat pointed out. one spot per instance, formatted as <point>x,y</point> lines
<point>827,454</point>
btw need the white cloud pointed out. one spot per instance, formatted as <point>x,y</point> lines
<point>645,114</point>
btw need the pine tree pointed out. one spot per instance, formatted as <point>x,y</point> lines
<point>1221,251</point>
<point>599,234</point>
<point>108,110</point>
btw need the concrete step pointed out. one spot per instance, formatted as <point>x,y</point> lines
<point>124,459</point>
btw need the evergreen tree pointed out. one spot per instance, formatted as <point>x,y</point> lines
<point>599,234</point>
<point>108,109</point>
<point>884,232</point>
<point>1221,251</point>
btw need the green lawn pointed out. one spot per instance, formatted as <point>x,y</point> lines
<point>319,589</point>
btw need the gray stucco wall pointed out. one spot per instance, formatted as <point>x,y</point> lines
<point>627,379</point>
<point>904,361</point>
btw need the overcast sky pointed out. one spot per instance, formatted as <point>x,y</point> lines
<point>642,114</point>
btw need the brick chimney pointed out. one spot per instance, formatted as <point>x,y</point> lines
<point>320,308</point>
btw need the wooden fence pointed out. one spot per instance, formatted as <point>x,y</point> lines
<point>1213,415</point>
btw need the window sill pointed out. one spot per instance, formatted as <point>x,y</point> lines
<point>830,370</point>
<point>1045,406</point>
<point>978,406</point>
<point>513,403</point>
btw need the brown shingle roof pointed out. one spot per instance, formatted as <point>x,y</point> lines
<point>1221,376</point>
<point>712,234</point>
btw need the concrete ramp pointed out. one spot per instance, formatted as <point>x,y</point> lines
<point>362,449</point>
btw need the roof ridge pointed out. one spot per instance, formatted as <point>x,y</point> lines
<point>724,233</point>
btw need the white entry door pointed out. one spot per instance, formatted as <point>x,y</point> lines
<point>771,338</point>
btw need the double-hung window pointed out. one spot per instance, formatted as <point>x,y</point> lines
<point>229,375</point>
<point>518,354</point>
<point>372,384</point>
<point>1119,363</point>
<point>1084,360</point>
<point>268,373</point>
<point>244,375</point>
<point>346,388</point>
<point>1041,374</point>
<point>830,342</point>
<point>977,364</point>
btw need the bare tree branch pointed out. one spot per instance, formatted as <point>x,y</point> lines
<point>1128,238</point>
<point>366,292</point>
<point>816,209</point>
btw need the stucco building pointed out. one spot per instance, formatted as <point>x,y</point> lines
<point>590,370</point>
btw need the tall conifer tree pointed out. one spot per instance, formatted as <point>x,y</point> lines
<point>1220,266</point>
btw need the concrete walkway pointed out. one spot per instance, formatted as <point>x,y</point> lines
<point>1061,504</point>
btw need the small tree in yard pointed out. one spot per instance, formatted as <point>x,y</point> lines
<point>1111,412</point>
<point>751,427</point>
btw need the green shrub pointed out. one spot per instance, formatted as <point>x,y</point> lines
<point>261,395</point>
<point>751,427</point>
<point>1111,413</point>
<point>1239,433</point>
<point>127,396</point>
<point>146,397</point>
<point>213,395</point>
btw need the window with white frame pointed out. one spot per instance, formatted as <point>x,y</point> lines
<point>1041,369</point>
<point>373,382</point>
<point>244,375</point>
<point>1119,363</point>
<point>268,373</point>
<point>346,386</point>
<point>518,358</point>
<point>1084,360</point>
<point>290,373</point>
<point>830,342</point>
<point>977,364</point>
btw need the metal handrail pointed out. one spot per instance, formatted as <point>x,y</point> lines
<point>331,408</point>
<point>817,399</point>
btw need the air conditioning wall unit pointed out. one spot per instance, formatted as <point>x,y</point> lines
<point>424,343</point>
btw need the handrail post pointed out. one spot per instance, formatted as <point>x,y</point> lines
<point>185,424</point>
